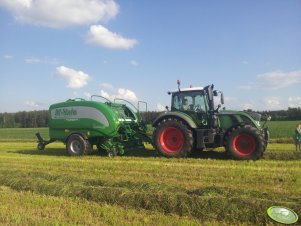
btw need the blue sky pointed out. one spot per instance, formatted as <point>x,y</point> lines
<point>53,50</point>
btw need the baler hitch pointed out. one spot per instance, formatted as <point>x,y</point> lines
<point>42,143</point>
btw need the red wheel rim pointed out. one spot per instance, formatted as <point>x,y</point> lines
<point>244,144</point>
<point>172,140</point>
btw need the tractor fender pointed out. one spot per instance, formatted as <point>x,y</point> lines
<point>182,116</point>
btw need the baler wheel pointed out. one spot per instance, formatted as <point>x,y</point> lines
<point>112,153</point>
<point>77,145</point>
<point>173,138</point>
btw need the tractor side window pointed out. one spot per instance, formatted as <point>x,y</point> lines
<point>200,103</point>
<point>177,103</point>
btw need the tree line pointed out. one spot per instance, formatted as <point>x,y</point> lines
<point>34,119</point>
<point>291,114</point>
<point>24,119</point>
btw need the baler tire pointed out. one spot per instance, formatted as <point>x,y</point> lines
<point>77,145</point>
<point>245,142</point>
<point>173,138</point>
<point>112,153</point>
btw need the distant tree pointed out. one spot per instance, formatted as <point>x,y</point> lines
<point>1,120</point>
<point>8,120</point>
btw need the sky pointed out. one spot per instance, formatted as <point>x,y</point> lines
<point>54,50</point>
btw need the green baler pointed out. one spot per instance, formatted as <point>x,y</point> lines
<point>80,124</point>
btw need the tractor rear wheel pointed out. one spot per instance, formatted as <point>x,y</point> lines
<point>245,143</point>
<point>172,138</point>
<point>77,145</point>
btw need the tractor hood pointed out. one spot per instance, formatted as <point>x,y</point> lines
<point>228,117</point>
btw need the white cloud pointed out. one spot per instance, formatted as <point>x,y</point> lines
<point>134,63</point>
<point>32,60</point>
<point>101,36</point>
<point>87,95</point>
<point>61,13</point>
<point>160,107</point>
<point>31,103</point>
<point>126,94</point>
<point>107,86</point>
<point>45,60</point>
<point>107,95</point>
<point>8,57</point>
<point>294,102</point>
<point>75,79</point>
<point>278,79</point>
<point>273,103</point>
<point>122,93</point>
<point>248,106</point>
<point>274,80</point>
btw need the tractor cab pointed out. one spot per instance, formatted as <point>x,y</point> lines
<point>198,103</point>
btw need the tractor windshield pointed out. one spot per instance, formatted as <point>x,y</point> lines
<point>189,101</point>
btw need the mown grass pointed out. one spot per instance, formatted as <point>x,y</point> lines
<point>142,189</point>
<point>27,208</point>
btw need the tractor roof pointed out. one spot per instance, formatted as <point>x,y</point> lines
<point>189,89</point>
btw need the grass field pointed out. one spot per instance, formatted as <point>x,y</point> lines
<point>281,130</point>
<point>51,188</point>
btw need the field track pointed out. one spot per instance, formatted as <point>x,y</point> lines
<point>51,188</point>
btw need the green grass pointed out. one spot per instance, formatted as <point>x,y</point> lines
<point>22,134</point>
<point>282,129</point>
<point>278,130</point>
<point>28,208</point>
<point>51,188</point>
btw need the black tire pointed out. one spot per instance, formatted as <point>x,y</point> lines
<point>173,138</point>
<point>112,153</point>
<point>77,145</point>
<point>266,135</point>
<point>245,143</point>
<point>41,146</point>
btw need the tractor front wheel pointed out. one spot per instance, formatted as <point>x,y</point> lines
<point>245,143</point>
<point>172,138</point>
<point>77,145</point>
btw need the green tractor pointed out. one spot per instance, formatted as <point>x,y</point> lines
<point>195,123</point>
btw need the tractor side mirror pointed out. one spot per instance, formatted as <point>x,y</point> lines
<point>222,98</point>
